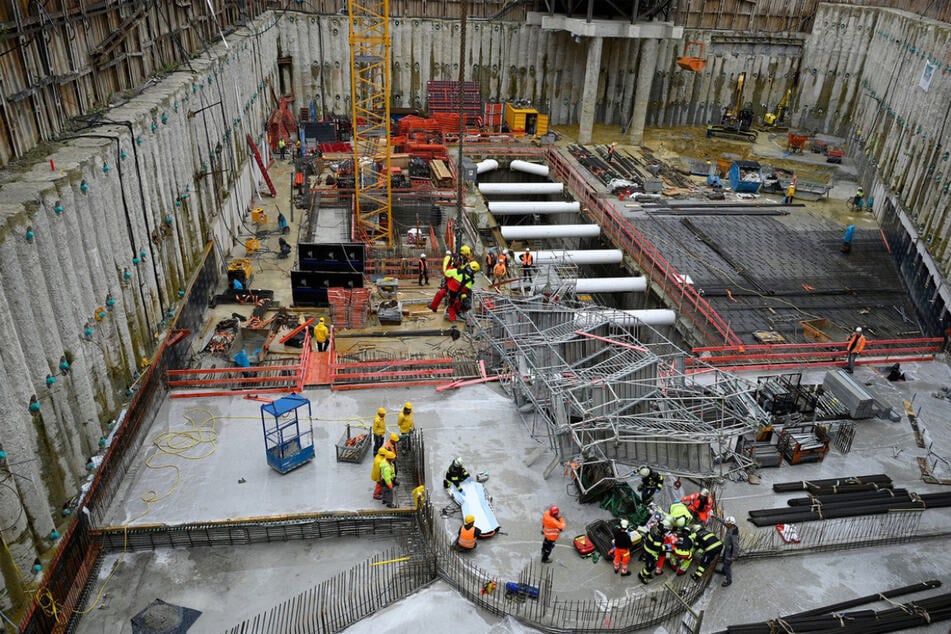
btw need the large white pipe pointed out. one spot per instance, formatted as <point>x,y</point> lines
<point>534,232</point>
<point>510,208</point>
<point>651,316</point>
<point>486,166</point>
<point>611,285</point>
<point>590,256</point>
<point>529,168</point>
<point>521,188</point>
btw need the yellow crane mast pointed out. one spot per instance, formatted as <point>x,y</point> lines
<point>370,111</point>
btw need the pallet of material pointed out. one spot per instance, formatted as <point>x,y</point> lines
<point>441,174</point>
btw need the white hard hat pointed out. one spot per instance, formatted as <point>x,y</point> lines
<point>624,524</point>
<point>422,255</point>
<point>730,520</point>
<point>644,471</point>
<point>858,329</point>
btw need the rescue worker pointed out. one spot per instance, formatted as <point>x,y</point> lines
<point>621,542</point>
<point>422,270</point>
<point>388,478</point>
<point>281,147</point>
<point>679,515</point>
<point>731,549</point>
<point>653,546</point>
<point>468,534</point>
<point>447,263</point>
<point>451,287</point>
<point>461,302</point>
<point>552,525</point>
<point>859,198</point>
<point>651,483</point>
<point>683,552</point>
<point>670,540</point>
<point>527,262</point>
<point>456,474</point>
<point>853,348</point>
<point>790,194</point>
<point>465,256</point>
<point>699,504</point>
<point>322,335</point>
<point>707,547</point>
<point>375,473</point>
<point>379,428</point>
<point>500,271</point>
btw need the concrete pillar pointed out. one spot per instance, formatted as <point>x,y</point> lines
<point>589,95</point>
<point>645,76</point>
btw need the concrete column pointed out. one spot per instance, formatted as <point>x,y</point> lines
<point>589,95</point>
<point>645,76</point>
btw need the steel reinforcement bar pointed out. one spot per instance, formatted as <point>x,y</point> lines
<point>624,236</point>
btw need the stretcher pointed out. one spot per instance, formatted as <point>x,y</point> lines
<point>472,499</point>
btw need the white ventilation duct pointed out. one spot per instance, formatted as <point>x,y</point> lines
<point>529,168</point>
<point>512,208</point>
<point>628,318</point>
<point>589,256</point>
<point>611,285</point>
<point>510,189</point>
<point>486,166</point>
<point>535,232</point>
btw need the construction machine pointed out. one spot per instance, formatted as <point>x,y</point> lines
<point>736,120</point>
<point>777,119</point>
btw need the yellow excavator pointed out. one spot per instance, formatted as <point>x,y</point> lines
<point>736,120</point>
<point>777,119</point>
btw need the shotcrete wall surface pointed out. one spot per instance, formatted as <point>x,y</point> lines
<point>95,242</point>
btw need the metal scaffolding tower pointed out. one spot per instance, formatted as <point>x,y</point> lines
<point>370,106</point>
<point>611,395</point>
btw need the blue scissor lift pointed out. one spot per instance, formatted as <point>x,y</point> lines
<point>287,445</point>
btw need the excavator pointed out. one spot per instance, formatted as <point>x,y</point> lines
<point>736,120</point>
<point>777,119</point>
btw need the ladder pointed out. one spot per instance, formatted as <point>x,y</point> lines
<point>257,157</point>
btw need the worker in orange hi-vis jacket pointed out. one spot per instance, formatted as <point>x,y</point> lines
<point>552,525</point>
<point>853,348</point>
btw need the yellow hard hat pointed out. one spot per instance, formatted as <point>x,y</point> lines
<point>394,437</point>
<point>389,454</point>
<point>474,267</point>
<point>407,405</point>
<point>381,411</point>
<point>322,320</point>
<point>465,250</point>
<point>470,519</point>
<point>381,451</point>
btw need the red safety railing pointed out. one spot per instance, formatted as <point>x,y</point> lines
<point>360,375</point>
<point>624,236</point>
<point>782,356</point>
<point>255,379</point>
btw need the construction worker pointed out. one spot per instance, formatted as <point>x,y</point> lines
<point>450,287</point>
<point>468,535</point>
<point>707,547</point>
<point>322,335</point>
<point>859,199</point>
<point>465,256</point>
<point>447,263</point>
<point>790,193</point>
<point>297,148</point>
<point>611,149</point>
<point>379,428</point>
<point>405,422</point>
<point>500,270</point>
<point>683,552</point>
<point>388,478</point>
<point>651,483</point>
<point>731,549</point>
<point>653,545</point>
<point>621,546</point>
<point>281,147</point>
<point>456,474</point>
<point>527,262</point>
<point>375,473</point>
<point>282,225</point>
<point>679,515</point>
<point>699,504</point>
<point>490,259</point>
<point>853,348</point>
<point>422,268</point>
<point>552,525</point>
<point>391,443</point>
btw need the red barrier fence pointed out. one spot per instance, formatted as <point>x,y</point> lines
<point>624,236</point>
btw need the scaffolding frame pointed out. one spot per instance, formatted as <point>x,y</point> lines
<point>613,396</point>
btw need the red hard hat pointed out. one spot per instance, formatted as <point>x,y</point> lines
<point>554,510</point>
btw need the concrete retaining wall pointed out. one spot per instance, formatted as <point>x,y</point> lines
<point>120,216</point>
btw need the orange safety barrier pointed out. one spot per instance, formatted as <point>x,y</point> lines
<point>796,355</point>
<point>622,234</point>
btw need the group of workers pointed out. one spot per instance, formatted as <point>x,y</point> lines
<point>386,449</point>
<point>497,265</point>
<point>665,542</point>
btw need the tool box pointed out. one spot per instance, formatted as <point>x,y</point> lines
<point>584,546</point>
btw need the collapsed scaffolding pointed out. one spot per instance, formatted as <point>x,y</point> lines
<point>610,392</point>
